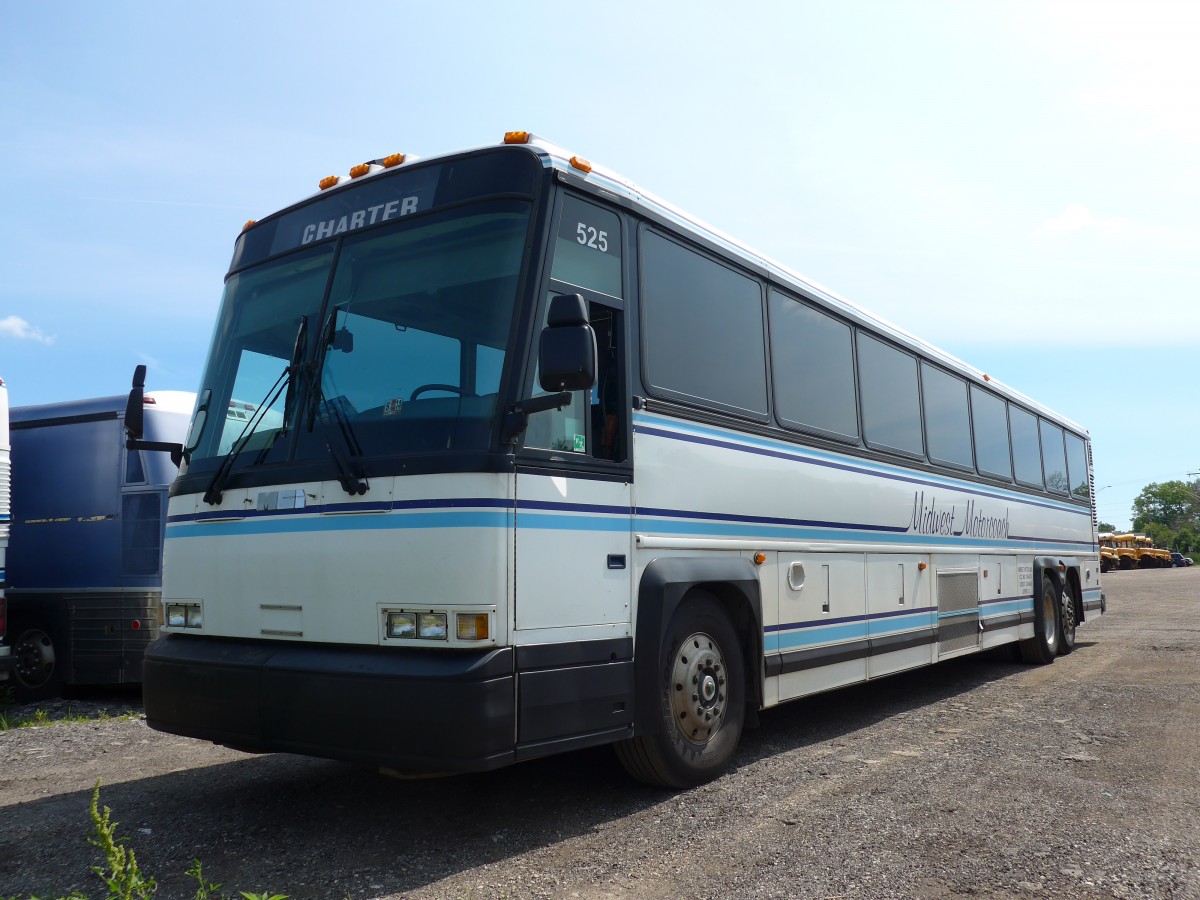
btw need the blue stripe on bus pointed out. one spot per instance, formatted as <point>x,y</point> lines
<point>297,525</point>
<point>490,513</point>
<point>833,631</point>
<point>782,450</point>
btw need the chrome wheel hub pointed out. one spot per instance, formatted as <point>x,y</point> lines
<point>698,679</point>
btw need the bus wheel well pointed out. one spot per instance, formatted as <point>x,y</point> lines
<point>666,583</point>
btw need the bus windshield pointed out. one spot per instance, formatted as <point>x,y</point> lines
<point>388,342</point>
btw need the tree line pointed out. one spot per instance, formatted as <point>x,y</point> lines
<point>1169,513</point>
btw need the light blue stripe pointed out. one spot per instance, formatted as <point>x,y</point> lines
<point>554,522</point>
<point>1006,609</point>
<point>386,522</point>
<point>815,635</point>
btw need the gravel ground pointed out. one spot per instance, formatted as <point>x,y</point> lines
<point>978,778</point>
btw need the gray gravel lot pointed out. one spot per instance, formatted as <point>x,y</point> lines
<point>978,778</point>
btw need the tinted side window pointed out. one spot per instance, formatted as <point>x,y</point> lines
<point>1027,453</point>
<point>891,408</point>
<point>988,415</point>
<point>1077,467</point>
<point>702,329</point>
<point>947,417</point>
<point>812,358</point>
<point>1054,461</point>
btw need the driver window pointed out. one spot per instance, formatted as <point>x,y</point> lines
<point>587,254</point>
<point>590,424</point>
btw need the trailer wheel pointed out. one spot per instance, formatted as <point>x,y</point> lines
<point>1043,646</point>
<point>37,673</point>
<point>701,700</point>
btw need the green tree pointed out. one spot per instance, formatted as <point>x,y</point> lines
<point>1105,526</point>
<point>1174,504</point>
<point>1185,541</point>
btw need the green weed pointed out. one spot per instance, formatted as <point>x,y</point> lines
<point>122,875</point>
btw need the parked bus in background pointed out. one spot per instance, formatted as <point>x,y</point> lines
<point>5,650</point>
<point>552,464</point>
<point>85,571</point>
<point>1109,558</point>
<point>1150,556</point>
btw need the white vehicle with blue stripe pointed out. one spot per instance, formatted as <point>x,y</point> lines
<point>538,462</point>
<point>6,660</point>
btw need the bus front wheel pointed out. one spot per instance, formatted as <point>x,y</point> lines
<point>701,701</point>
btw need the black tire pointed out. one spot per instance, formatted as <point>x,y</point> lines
<point>701,695</point>
<point>1068,620</point>
<point>37,669</point>
<point>1042,648</point>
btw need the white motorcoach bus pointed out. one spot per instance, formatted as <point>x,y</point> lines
<point>538,462</point>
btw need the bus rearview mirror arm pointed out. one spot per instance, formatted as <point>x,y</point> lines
<point>135,421</point>
<point>516,420</point>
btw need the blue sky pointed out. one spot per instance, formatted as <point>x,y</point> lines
<point>1016,183</point>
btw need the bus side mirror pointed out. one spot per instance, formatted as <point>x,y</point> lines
<point>567,351</point>
<point>134,423</point>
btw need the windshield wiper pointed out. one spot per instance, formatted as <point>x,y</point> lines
<point>212,495</point>
<point>349,476</point>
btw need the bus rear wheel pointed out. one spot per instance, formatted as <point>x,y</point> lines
<point>1043,646</point>
<point>1066,621</point>
<point>701,701</point>
<point>36,670</point>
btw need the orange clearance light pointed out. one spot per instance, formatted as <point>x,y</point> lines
<point>921,567</point>
<point>516,137</point>
<point>394,160</point>
<point>328,181</point>
<point>581,164</point>
<point>987,377</point>
<point>760,558</point>
<point>249,224</point>
<point>360,170</point>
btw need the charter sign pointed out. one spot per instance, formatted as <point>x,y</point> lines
<point>952,521</point>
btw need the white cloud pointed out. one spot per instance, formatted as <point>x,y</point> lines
<point>1076,218</point>
<point>15,326</point>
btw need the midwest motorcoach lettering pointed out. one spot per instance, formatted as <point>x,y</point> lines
<point>381,212</point>
<point>928,518</point>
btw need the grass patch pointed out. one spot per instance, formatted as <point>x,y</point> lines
<point>123,877</point>
<point>41,718</point>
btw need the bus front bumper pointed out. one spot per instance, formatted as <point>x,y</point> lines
<point>412,710</point>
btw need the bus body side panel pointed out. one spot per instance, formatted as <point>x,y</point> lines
<point>876,568</point>
<point>6,660</point>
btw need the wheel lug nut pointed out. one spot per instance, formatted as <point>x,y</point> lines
<point>695,698</point>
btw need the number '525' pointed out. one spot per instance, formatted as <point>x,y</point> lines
<point>590,237</point>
